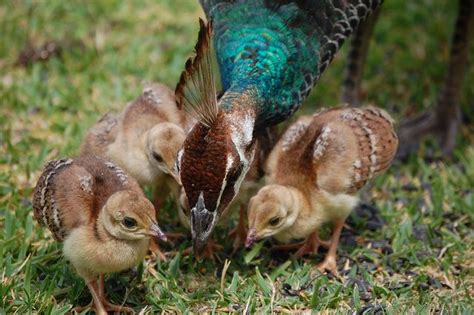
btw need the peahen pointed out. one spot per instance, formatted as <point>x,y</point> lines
<point>270,54</point>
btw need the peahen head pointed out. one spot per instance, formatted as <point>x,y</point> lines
<point>212,165</point>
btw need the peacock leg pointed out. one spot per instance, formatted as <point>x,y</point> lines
<point>444,120</point>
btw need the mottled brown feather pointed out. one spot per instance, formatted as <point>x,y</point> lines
<point>102,134</point>
<point>155,105</point>
<point>336,150</point>
<point>78,188</point>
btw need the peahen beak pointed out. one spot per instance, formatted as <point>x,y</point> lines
<point>203,223</point>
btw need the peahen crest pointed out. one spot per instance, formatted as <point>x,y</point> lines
<point>196,89</point>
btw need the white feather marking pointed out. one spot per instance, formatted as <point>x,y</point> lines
<point>151,96</point>
<point>295,131</point>
<point>45,221</point>
<point>321,143</point>
<point>85,181</point>
<point>58,164</point>
<point>357,164</point>
<point>357,176</point>
<point>56,218</point>
<point>119,172</point>
<point>242,134</point>
<point>230,161</point>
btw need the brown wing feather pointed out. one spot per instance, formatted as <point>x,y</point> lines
<point>353,146</point>
<point>71,192</point>
<point>196,89</point>
<point>102,134</point>
<point>376,140</point>
<point>45,207</point>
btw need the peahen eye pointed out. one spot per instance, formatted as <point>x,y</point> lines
<point>274,221</point>
<point>157,157</point>
<point>129,223</point>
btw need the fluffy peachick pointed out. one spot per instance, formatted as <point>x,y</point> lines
<point>144,139</point>
<point>102,217</point>
<point>314,173</point>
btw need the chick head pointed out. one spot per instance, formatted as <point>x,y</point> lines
<point>128,215</point>
<point>270,212</point>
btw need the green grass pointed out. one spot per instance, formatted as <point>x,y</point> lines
<point>417,258</point>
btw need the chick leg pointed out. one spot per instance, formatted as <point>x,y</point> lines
<point>445,118</point>
<point>96,304</point>
<point>329,262</point>
<point>239,233</point>
<point>109,307</point>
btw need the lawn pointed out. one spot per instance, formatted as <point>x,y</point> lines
<point>409,248</point>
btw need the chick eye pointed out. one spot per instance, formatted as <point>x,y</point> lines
<point>274,221</point>
<point>129,222</point>
<point>157,157</point>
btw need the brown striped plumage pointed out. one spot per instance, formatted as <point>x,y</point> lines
<point>97,210</point>
<point>315,169</point>
<point>144,139</point>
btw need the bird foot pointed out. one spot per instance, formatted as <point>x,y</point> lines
<point>307,247</point>
<point>413,130</point>
<point>156,251</point>
<point>109,307</point>
<point>104,308</point>
<point>209,251</point>
<point>155,247</point>
<point>90,306</point>
<point>329,263</point>
<point>174,236</point>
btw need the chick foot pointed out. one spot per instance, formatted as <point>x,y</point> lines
<point>155,247</point>
<point>239,233</point>
<point>209,251</point>
<point>329,262</point>
<point>99,303</point>
<point>156,251</point>
<point>309,246</point>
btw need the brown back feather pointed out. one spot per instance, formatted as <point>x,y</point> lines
<point>337,150</point>
<point>71,192</point>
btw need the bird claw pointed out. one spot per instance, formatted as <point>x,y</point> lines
<point>109,307</point>
<point>307,247</point>
<point>209,251</point>
<point>329,263</point>
<point>104,308</point>
<point>156,251</point>
<point>80,309</point>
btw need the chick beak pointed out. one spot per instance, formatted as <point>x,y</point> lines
<point>157,233</point>
<point>251,238</point>
<point>203,222</point>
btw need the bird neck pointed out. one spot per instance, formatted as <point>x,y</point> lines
<point>298,203</point>
<point>240,98</point>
